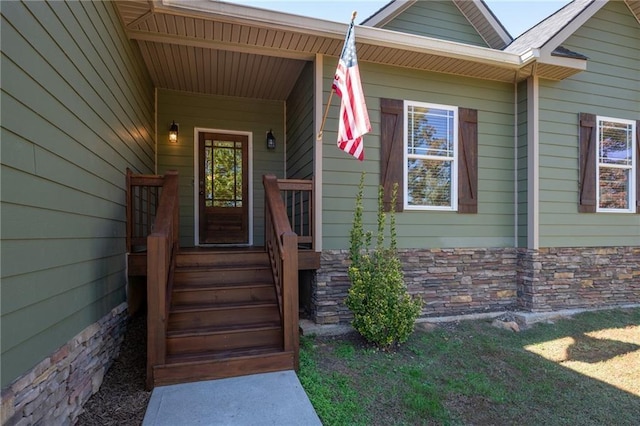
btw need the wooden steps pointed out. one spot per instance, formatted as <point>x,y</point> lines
<point>223,320</point>
<point>232,366</point>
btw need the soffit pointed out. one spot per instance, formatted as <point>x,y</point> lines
<point>220,72</point>
<point>634,6</point>
<point>217,53</point>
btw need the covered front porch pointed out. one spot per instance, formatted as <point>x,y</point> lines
<point>219,234</point>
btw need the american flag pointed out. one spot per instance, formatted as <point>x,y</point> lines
<point>354,119</point>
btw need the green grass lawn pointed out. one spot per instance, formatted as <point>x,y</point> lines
<point>584,370</point>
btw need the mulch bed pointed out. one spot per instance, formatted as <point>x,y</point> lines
<point>122,399</point>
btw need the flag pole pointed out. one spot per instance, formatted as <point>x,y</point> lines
<point>326,110</point>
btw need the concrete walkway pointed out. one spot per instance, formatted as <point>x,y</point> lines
<point>261,399</point>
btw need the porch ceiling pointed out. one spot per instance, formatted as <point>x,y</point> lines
<point>220,72</point>
<point>217,48</point>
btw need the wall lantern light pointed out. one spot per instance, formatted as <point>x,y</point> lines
<point>271,140</point>
<point>173,133</point>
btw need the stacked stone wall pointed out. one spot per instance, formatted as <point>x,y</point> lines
<point>463,281</point>
<point>450,281</point>
<point>54,391</point>
<point>583,277</point>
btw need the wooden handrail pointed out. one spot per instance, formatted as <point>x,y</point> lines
<point>162,246</point>
<point>298,198</point>
<point>143,193</point>
<point>281,244</point>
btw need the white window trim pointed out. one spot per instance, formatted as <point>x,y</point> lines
<point>632,174</point>
<point>454,162</point>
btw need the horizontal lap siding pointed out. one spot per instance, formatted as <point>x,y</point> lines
<point>493,226</point>
<point>300,137</point>
<point>77,110</point>
<point>437,19</point>
<point>192,110</point>
<point>611,87</point>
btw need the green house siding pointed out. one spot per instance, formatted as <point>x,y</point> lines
<point>522,180</point>
<point>492,226</point>
<point>73,119</point>
<point>300,138</point>
<point>611,87</point>
<point>437,19</point>
<point>220,113</point>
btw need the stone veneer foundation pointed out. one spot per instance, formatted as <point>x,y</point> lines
<point>578,277</point>
<point>450,281</point>
<point>472,280</point>
<point>55,390</point>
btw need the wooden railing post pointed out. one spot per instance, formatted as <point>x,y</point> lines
<point>157,271</point>
<point>129,211</point>
<point>281,244</point>
<point>290,294</point>
<point>162,245</point>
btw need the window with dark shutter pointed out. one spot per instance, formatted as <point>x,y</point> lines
<point>468,160</point>
<point>391,150</point>
<point>392,155</point>
<point>638,166</point>
<point>587,178</point>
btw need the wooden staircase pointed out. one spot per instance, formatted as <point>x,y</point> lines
<point>214,314</point>
<point>223,319</point>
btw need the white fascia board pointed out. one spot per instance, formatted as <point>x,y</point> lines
<point>389,12</point>
<point>421,44</point>
<point>572,27</point>
<point>374,36</point>
<point>575,63</point>
<point>544,58</point>
<point>530,55</point>
<point>247,14</point>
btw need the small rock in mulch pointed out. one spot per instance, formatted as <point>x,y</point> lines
<point>426,326</point>
<point>506,325</point>
<point>122,399</point>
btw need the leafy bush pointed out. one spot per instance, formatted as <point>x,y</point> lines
<point>384,312</point>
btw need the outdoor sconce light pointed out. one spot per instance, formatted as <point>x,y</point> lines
<point>271,140</point>
<point>173,133</point>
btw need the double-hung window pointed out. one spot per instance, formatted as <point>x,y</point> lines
<point>430,152</point>
<point>609,175</point>
<point>430,156</point>
<point>616,165</point>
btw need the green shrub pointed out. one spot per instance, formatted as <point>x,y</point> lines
<point>383,311</point>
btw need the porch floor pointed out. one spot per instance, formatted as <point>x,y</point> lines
<point>307,259</point>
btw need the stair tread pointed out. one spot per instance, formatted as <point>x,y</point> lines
<point>184,370</point>
<point>200,307</point>
<point>180,287</point>
<point>224,267</point>
<point>201,357</point>
<point>222,329</point>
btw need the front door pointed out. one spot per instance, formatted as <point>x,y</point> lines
<point>224,184</point>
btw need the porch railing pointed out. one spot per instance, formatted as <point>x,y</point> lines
<point>298,197</point>
<point>162,246</point>
<point>281,244</point>
<point>143,194</point>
